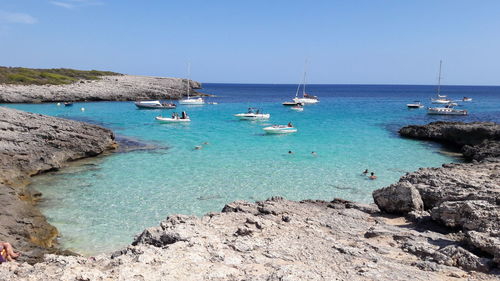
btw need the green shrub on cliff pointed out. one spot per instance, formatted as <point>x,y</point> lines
<point>56,76</point>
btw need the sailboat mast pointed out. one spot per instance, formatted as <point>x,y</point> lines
<point>188,74</point>
<point>304,79</point>
<point>439,78</point>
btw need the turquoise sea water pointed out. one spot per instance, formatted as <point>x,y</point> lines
<point>99,205</point>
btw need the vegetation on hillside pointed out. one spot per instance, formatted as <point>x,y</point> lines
<point>55,76</point>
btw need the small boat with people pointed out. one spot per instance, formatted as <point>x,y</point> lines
<point>253,114</point>
<point>68,104</point>
<point>298,107</point>
<point>415,104</point>
<point>280,129</point>
<point>155,104</point>
<point>466,99</point>
<point>447,110</point>
<point>175,118</point>
<point>189,100</point>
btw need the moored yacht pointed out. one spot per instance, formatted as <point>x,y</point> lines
<point>306,98</point>
<point>466,99</point>
<point>441,99</point>
<point>156,104</point>
<point>253,114</point>
<point>280,129</point>
<point>189,100</point>
<point>415,104</point>
<point>447,110</point>
<point>175,118</point>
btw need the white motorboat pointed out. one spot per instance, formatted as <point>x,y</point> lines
<point>447,110</point>
<point>467,99</point>
<point>306,98</point>
<point>189,100</point>
<point>292,103</point>
<point>154,105</point>
<point>280,129</point>
<point>298,107</point>
<point>253,114</point>
<point>415,104</point>
<point>176,119</point>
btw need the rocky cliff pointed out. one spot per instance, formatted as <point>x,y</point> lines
<point>465,198</point>
<point>31,144</point>
<point>108,88</point>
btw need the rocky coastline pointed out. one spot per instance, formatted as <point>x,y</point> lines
<point>107,88</point>
<point>433,224</point>
<point>31,144</point>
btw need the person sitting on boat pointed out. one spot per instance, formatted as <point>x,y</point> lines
<point>290,125</point>
<point>373,176</point>
<point>250,110</point>
<point>173,115</point>
<point>183,115</point>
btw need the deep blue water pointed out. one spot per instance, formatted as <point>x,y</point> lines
<point>101,205</point>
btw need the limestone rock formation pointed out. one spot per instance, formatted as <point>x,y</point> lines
<point>109,88</point>
<point>275,239</point>
<point>31,144</point>
<point>463,197</point>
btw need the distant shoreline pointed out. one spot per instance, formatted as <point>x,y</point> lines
<point>107,88</point>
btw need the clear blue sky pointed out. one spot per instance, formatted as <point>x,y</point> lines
<point>260,41</point>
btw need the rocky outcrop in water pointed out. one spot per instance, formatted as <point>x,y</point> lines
<point>31,144</point>
<point>109,88</point>
<point>478,140</point>
<point>275,239</point>
<point>463,197</point>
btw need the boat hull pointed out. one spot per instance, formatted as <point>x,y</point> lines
<point>305,100</point>
<point>143,106</point>
<point>248,116</point>
<point>446,111</point>
<point>172,120</point>
<point>279,130</point>
<point>198,101</point>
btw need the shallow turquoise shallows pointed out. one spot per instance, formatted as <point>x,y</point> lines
<point>101,204</point>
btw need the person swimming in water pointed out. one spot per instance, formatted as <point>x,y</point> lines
<point>290,152</point>
<point>365,172</point>
<point>373,176</point>
<point>314,153</point>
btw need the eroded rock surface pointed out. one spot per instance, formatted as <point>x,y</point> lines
<point>31,144</point>
<point>109,88</point>
<point>465,197</point>
<point>275,239</point>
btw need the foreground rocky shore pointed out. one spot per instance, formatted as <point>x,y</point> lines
<point>31,144</point>
<point>434,224</point>
<point>108,88</point>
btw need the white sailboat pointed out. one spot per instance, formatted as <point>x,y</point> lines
<point>189,100</point>
<point>306,98</point>
<point>441,99</point>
